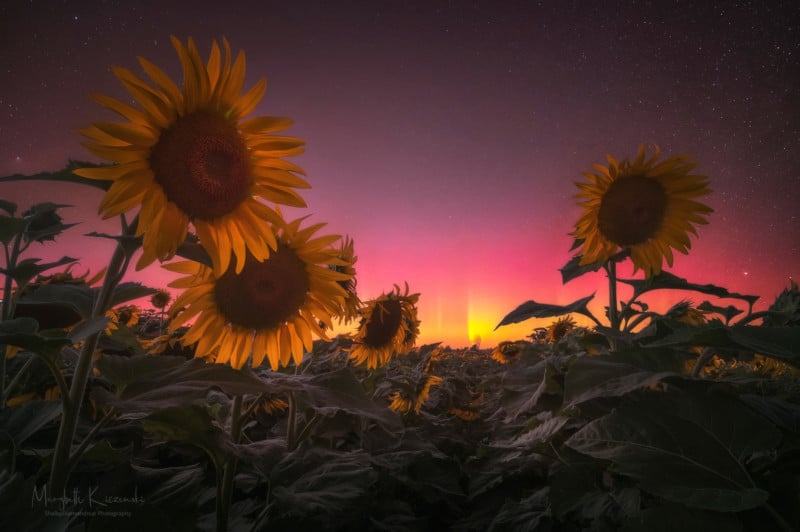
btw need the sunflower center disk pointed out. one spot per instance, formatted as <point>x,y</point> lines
<point>383,323</point>
<point>632,210</point>
<point>265,294</point>
<point>202,163</point>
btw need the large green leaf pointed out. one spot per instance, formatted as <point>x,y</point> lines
<point>192,424</point>
<point>527,385</point>
<point>778,342</point>
<point>689,448</point>
<point>27,269</point>
<point>21,332</point>
<point>21,422</point>
<point>593,377</point>
<point>321,481</point>
<point>573,268</point>
<point>529,514</point>
<point>532,309</point>
<point>57,305</point>
<point>151,385</point>
<point>10,227</point>
<point>64,175</point>
<point>672,517</point>
<point>123,370</point>
<point>339,390</point>
<point>129,291</point>
<point>668,281</point>
<point>9,206</point>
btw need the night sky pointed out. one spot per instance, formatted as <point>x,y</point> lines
<point>446,137</point>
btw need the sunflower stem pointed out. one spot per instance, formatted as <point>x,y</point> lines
<point>225,488</point>
<point>613,314</point>
<point>291,442</point>
<point>62,461</point>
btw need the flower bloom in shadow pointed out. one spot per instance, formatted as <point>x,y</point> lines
<point>271,308</point>
<point>647,206</point>
<point>188,155</point>
<point>388,326</point>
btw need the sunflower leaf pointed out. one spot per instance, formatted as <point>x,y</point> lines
<point>670,517</point>
<point>57,305</point>
<point>129,291</point>
<point>21,422</point>
<point>689,448</point>
<point>777,342</point>
<point>26,269</point>
<point>532,309</point>
<point>728,312</point>
<point>573,269</point>
<point>10,227</point>
<point>64,175</point>
<point>193,251</point>
<point>668,281</point>
<point>593,377</point>
<point>9,206</point>
<point>191,424</point>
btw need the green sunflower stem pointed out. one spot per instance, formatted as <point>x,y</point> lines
<point>291,427</point>
<point>62,453</point>
<point>613,311</point>
<point>225,488</point>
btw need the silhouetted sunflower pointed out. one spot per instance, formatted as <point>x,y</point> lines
<point>187,156</point>
<point>388,325</point>
<point>160,299</point>
<point>271,308</point>
<point>646,206</point>
<point>349,310</point>
<point>559,328</point>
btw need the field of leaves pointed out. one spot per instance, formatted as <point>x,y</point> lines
<point>561,435</point>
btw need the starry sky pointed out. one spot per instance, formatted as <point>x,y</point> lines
<point>446,137</point>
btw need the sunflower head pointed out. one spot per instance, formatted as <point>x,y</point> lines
<point>388,325</point>
<point>160,299</point>
<point>647,206</point>
<point>269,309</point>
<point>347,258</point>
<point>785,310</point>
<point>189,155</point>
<point>559,328</point>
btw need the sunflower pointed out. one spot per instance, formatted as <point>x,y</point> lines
<point>559,328</point>
<point>402,404</point>
<point>646,206</point>
<point>349,310</point>
<point>270,308</point>
<point>160,299</point>
<point>388,325</point>
<point>187,155</point>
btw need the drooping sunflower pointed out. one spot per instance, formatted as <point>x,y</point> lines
<point>270,309</point>
<point>388,325</point>
<point>402,404</point>
<point>646,206</point>
<point>559,328</point>
<point>187,155</point>
<point>352,303</point>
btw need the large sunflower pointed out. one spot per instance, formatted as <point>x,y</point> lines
<point>388,325</point>
<point>270,308</point>
<point>646,206</point>
<point>187,156</point>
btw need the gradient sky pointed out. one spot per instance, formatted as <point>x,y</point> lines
<point>446,137</point>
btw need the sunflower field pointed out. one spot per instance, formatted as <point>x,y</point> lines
<point>234,407</point>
